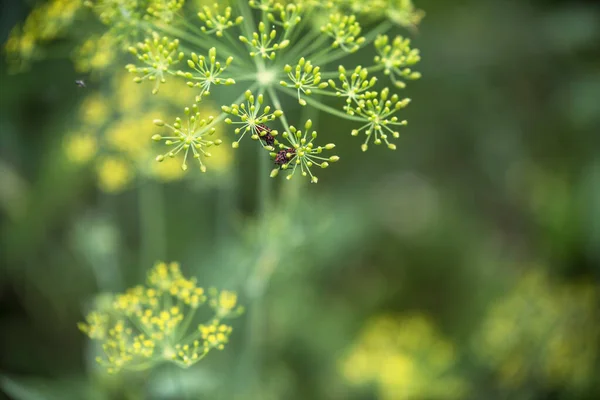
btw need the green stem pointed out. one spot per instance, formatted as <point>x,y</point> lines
<point>264,182</point>
<point>323,107</point>
<point>239,46</point>
<point>151,223</point>
<point>298,28</point>
<point>204,42</point>
<point>368,39</point>
<point>292,56</point>
<point>277,104</point>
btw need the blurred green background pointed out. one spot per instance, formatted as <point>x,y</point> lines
<point>466,264</point>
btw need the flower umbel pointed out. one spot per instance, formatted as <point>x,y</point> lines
<point>344,29</point>
<point>353,89</point>
<point>304,78</point>
<point>378,110</point>
<point>164,10</point>
<point>208,72</point>
<point>159,54</point>
<point>301,152</point>
<point>396,59</point>
<point>297,48</point>
<point>264,42</point>
<point>189,135</point>
<point>251,117</point>
<point>151,324</point>
<point>216,23</point>
<point>286,16</point>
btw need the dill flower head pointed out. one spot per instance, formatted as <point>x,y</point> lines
<point>154,323</point>
<point>247,57</point>
<point>405,358</point>
<point>542,333</point>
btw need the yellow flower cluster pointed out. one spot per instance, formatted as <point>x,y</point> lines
<point>46,22</point>
<point>115,132</point>
<point>96,53</point>
<point>151,324</point>
<point>542,332</point>
<point>405,358</point>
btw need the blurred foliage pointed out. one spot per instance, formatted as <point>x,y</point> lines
<point>496,180</point>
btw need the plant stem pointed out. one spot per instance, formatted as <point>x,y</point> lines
<point>264,182</point>
<point>323,107</point>
<point>151,223</point>
<point>341,53</point>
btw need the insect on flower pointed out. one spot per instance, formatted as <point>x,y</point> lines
<point>80,83</point>
<point>264,132</point>
<point>282,157</point>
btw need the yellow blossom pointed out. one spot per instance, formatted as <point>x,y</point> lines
<point>405,358</point>
<point>95,54</point>
<point>227,300</point>
<point>80,148</point>
<point>113,174</point>
<point>130,137</point>
<point>562,320</point>
<point>95,110</point>
<point>150,324</point>
<point>129,97</point>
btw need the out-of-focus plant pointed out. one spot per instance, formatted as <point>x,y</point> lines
<point>262,47</point>
<point>112,131</point>
<point>249,53</point>
<point>155,323</point>
<point>542,332</point>
<point>404,357</point>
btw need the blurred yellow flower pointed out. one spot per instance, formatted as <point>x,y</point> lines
<point>405,358</point>
<point>95,110</point>
<point>95,54</point>
<point>148,325</point>
<point>81,148</point>
<point>129,96</point>
<point>123,128</point>
<point>130,136</point>
<point>541,332</point>
<point>47,21</point>
<point>114,174</point>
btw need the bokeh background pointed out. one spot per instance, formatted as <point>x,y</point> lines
<point>464,265</point>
